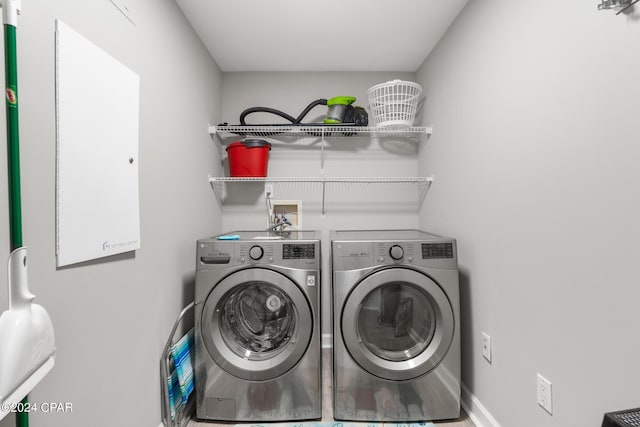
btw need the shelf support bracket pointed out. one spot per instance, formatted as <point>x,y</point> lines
<point>217,188</point>
<point>423,187</point>
<point>322,143</point>
<point>324,184</point>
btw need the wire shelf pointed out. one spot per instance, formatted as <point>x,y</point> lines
<point>224,132</point>
<point>328,179</point>
<point>421,183</point>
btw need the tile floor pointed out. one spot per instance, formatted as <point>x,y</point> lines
<point>327,415</point>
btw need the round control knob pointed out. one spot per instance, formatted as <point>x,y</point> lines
<point>396,252</point>
<point>256,252</point>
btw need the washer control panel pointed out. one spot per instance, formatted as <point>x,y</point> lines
<point>215,254</point>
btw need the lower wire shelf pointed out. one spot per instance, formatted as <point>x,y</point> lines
<point>421,184</point>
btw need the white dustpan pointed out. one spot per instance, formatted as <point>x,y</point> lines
<point>27,349</point>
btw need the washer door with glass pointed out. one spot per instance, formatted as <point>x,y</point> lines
<point>397,324</point>
<point>256,324</point>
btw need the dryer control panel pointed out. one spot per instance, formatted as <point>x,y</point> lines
<point>350,255</point>
<point>419,253</point>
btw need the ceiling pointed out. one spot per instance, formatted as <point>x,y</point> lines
<point>320,35</point>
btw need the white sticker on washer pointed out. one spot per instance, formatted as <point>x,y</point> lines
<point>311,280</point>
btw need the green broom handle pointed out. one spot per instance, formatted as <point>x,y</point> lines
<point>13,138</point>
<point>13,159</point>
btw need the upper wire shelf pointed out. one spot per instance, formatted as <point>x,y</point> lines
<point>223,132</point>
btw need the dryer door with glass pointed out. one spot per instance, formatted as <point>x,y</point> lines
<point>397,324</point>
<point>256,324</point>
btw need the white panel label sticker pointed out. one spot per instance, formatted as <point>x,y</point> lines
<point>311,280</point>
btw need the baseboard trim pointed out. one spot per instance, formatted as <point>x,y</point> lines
<point>478,413</point>
<point>327,340</point>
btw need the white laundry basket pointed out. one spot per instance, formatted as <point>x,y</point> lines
<point>393,104</point>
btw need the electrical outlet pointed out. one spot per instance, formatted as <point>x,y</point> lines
<point>544,393</point>
<point>486,347</point>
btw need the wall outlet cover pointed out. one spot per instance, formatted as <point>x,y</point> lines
<point>544,393</point>
<point>486,347</point>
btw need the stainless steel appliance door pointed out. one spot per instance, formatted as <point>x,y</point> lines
<point>256,324</point>
<point>397,324</point>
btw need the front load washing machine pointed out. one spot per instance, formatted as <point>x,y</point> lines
<point>396,334</point>
<point>257,317</point>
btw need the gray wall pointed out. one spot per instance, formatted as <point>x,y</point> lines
<point>112,317</point>
<point>361,206</point>
<point>534,107</point>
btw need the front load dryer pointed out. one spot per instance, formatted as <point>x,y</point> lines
<point>396,334</point>
<point>257,327</point>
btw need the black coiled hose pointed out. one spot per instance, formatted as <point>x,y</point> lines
<point>295,121</point>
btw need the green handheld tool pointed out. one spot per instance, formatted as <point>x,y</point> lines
<point>338,107</point>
